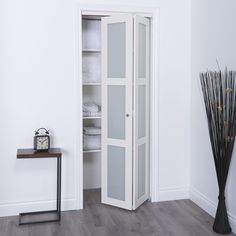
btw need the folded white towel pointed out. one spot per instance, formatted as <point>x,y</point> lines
<point>92,142</point>
<point>91,67</point>
<point>92,114</point>
<point>92,130</point>
<point>91,107</point>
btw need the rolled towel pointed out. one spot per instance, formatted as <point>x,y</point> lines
<point>91,107</point>
<point>92,130</point>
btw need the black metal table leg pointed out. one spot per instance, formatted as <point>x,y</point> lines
<point>58,202</point>
<point>59,187</point>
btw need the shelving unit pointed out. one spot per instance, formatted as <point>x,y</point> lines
<point>91,61</point>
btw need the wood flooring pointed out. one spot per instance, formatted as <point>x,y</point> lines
<point>174,218</point>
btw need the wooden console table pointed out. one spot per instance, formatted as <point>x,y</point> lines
<point>51,153</point>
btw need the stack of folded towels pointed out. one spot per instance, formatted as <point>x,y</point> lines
<point>91,109</point>
<point>92,138</point>
<point>91,68</point>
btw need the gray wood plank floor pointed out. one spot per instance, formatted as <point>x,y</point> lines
<point>175,218</point>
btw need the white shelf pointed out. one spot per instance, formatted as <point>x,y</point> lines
<point>91,151</point>
<point>91,117</point>
<point>91,50</point>
<point>91,83</point>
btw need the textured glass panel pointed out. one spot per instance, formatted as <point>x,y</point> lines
<point>116,172</point>
<point>141,170</point>
<point>141,111</point>
<point>142,51</point>
<point>116,50</point>
<point>116,111</point>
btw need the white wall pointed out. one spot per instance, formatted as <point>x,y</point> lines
<point>213,37</point>
<point>38,88</point>
<point>174,100</point>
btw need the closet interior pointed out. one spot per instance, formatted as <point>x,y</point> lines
<point>91,68</point>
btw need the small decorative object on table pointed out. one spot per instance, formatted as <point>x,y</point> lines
<point>219,92</point>
<point>41,141</point>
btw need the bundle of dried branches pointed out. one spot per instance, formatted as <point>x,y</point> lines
<point>219,92</point>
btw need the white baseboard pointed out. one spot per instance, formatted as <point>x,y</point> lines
<point>209,206</point>
<point>11,209</point>
<point>170,194</point>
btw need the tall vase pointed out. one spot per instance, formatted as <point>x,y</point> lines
<point>219,92</point>
<point>221,223</point>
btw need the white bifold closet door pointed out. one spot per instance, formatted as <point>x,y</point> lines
<point>125,75</point>
<point>141,112</point>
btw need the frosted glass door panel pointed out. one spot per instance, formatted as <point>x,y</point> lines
<point>116,173</point>
<point>141,170</point>
<point>116,49</point>
<point>142,51</point>
<point>141,111</point>
<point>116,112</point>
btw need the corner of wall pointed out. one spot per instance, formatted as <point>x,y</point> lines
<point>210,207</point>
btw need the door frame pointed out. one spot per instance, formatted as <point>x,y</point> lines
<point>153,14</point>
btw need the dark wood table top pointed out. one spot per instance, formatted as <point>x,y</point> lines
<point>31,153</point>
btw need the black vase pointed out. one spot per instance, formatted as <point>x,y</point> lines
<point>221,223</point>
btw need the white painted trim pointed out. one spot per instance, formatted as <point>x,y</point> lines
<point>170,194</point>
<point>12,209</point>
<point>209,206</point>
<point>154,105</point>
<point>154,92</point>
<point>106,9</point>
<point>78,96</point>
<point>112,13</point>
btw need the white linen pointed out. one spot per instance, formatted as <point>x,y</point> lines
<point>91,107</point>
<point>92,142</point>
<point>92,130</point>
<point>92,114</point>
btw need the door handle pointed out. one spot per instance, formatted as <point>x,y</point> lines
<point>127,115</point>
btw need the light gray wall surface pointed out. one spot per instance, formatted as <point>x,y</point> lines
<point>213,37</point>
